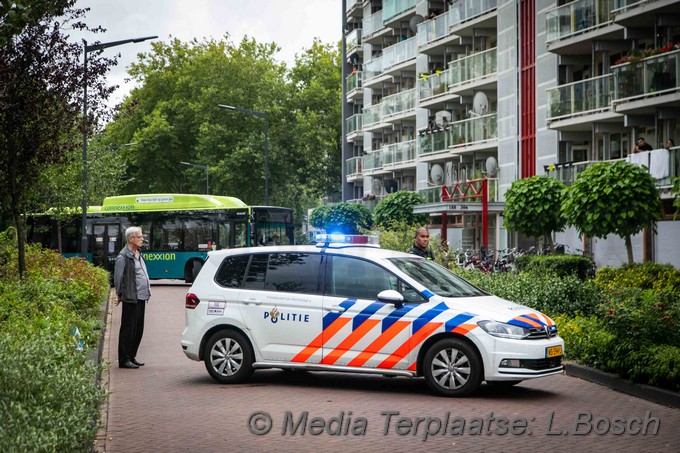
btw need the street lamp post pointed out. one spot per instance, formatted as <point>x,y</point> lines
<point>203,167</point>
<point>262,115</point>
<point>91,48</point>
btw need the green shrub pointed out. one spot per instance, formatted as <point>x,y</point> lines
<point>560,265</point>
<point>547,293</point>
<point>396,236</point>
<point>658,277</point>
<point>642,316</point>
<point>398,207</point>
<point>586,340</point>
<point>48,400</point>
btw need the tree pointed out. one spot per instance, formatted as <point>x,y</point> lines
<point>398,207</point>
<point>17,14</point>
<point>347,218</point>
<point>533,206</point>
<point>40,97</point>
<point>613,198</point>
<point>317,218</point>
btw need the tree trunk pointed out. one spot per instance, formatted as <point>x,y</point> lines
<point>21,233</point>
<point>551,244</point>
<point>629,249</point>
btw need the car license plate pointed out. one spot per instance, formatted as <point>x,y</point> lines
<point>553,351</point>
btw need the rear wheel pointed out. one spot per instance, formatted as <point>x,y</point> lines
<point>452,368</point>
<point>228,357</point>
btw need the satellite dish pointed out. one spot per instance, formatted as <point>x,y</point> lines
<point>391,186</point>
<point>414,21</point>
<point>437,175</point>
<point>491,166</point>
<point>480,104</point>
<point>442,118</point>
<point>377,187</point>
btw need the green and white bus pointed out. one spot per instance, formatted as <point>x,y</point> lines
<point>179,230</point>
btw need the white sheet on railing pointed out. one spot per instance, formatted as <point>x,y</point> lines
<point>639,158</point>
<point>659,163</point>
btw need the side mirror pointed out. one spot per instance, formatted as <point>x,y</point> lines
<point>391,296</point>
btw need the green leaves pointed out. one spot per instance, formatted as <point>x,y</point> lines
<point>347,218</point>
<point>533,206</point>
<point>398,207</point>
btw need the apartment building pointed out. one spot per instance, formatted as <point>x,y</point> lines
<point>457,99</point>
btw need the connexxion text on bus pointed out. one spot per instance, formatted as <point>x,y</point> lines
<point>179,230</point>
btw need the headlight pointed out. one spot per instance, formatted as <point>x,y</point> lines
<point>503,330</point>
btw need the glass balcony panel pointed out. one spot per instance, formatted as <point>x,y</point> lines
<point>353,81</point>
<point>433,29</point>
<point>372,24</point>
<point>463,10</point>
<point>353,38</point>
<point>351,3</point>
<point>577,17</point>
<point>649,75</point>
<point>373,161</point>
<point>373,68</point>
<point>354,166</point>
<point>471,67</point>
<point>399,53</point>
<point>434,84</point>
<point>354,123</point>
<point>399,102</point>
<point>580,97</point>
<point>372,114</point>
<point>392,8</point>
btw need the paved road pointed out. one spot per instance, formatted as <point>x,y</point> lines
<point>172,405</point>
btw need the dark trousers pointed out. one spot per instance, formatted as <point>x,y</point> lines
<point>131,330</point>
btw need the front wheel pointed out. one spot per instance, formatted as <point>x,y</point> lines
<point>228,357</point>
<point>452,368</point>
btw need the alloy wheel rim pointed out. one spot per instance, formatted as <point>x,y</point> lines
<point>226,357</point>
<point>451,369</point>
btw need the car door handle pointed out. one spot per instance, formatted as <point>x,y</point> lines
<point>252,301</point>
<point>336,309</point>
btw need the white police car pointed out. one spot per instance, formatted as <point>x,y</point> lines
<point>360,309</point>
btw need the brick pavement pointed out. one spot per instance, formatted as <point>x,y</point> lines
<point>172,405</point>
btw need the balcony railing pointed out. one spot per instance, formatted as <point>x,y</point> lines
<point>353,39</point>
<point>399,153</point>
<point>663,165</point>
<point>434,84</point>
<point>354,166</point>
<point>472,67</point>
<point>353,81</point>
<point>373,161</point>
<point>399,53</point>
<point>647,76</point>
<point>434,194</point>
<point>459,11</point>
<point>584,96</point>
<point>577,17</point>
<point>351,3</point>
<point>372,24</point>
<point>460,133</point>
<point>354,123</point>
<point>393,8</point>
<point>390,106</point>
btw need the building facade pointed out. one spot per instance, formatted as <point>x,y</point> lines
<point>457,99</point>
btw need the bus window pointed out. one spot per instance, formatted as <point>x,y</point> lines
<point>240,234</point>
<point>167,234</point>
<point>224,235</point>
<point>197,234</point>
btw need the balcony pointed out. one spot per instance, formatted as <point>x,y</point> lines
<point>471,68</point>
<point>459,12</point>
<point>354,126</point>
<point>354,167</point>
<point>460,135</point>
<point>584,97</point>
<point>353,86</point>
<point>399,53</point>
<point>371,25</point>
<point>643,78</point>
<point>433,85</point>
<point>398,154</point>
<point>373,161</point>
<point>434,194</point>
<point>663,165</point>
<point>353,41</point>
<point>393,8</point>
<point>390,108</point>
<point>577,17</point>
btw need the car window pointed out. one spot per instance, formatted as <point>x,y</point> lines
<point>230,273</point>
<point>360,279</point>
<point>293,272</point>
<point>256,272</point>
<point>437,279</point>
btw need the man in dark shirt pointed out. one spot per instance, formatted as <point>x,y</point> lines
<point>421,244</point>
<point>642,145</point>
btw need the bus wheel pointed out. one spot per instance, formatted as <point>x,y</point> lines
<point>193,268</point>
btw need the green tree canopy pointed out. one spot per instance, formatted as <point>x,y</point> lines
<point>397,207</point>
<point>533,207</point>
<point>613,198</point>
<point>347,218</point>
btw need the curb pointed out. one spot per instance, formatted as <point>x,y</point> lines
<point>657,395</point>
<point>99,443</point>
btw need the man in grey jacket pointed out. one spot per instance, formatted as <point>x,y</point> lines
<point>133,289</point>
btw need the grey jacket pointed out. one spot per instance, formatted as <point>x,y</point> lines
<point>124,276</point>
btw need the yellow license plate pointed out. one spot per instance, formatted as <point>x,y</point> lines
<point>553,351</point>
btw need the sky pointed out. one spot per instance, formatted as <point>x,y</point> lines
<point>291,24</point>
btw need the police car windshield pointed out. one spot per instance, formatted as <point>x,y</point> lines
<point>436,278</point>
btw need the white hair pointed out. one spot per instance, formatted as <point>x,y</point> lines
<point>131,231</point>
